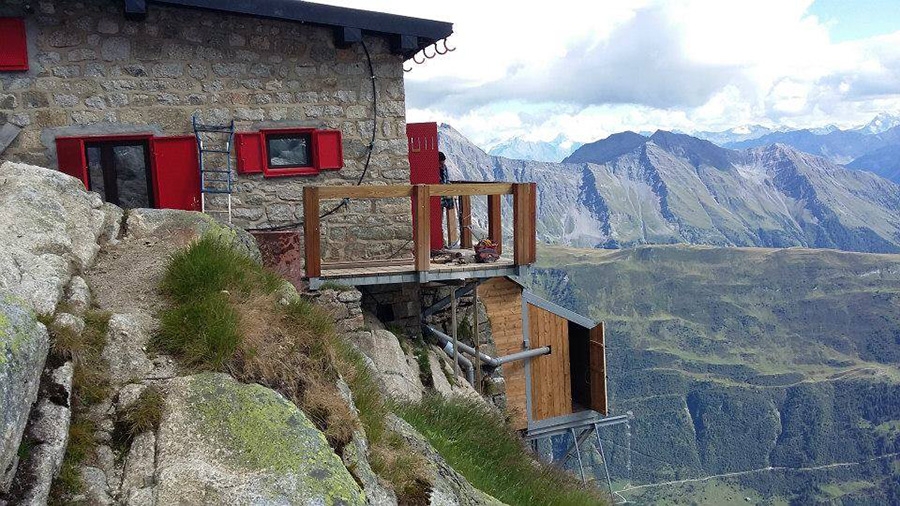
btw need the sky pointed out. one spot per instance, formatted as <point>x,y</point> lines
<point>588,69</point>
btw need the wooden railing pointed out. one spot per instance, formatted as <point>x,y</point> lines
<point>524,210</point>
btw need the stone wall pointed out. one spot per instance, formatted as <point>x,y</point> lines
<point>94,72</point>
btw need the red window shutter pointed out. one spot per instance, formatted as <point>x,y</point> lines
<point>13,46</point>
<point>71,158</point>
<point>176,172</point>
<point>328,152</point>
<point>249,151</point>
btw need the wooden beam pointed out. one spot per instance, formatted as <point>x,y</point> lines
<point>312,249</point>
<point>465,221</point>
<point>422,227</point>
<point>453,190</point>
<point>495,225</point>
<point>365,192</point>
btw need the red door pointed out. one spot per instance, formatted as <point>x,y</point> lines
<point>424,168</point>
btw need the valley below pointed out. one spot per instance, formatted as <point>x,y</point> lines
<point>752,375</point>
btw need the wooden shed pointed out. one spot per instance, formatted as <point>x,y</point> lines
<point>568,381</point>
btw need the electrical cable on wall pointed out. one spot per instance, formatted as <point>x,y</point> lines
<point>371,148</point>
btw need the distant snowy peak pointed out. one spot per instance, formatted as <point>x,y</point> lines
<point>880,123</point>
<point>518,148</point>
<point>736,134</point>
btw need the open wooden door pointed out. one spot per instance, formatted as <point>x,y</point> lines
<point>599,399</point>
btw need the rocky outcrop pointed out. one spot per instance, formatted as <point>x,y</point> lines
<point>396,372</point>
<point>23,348</point>
<point>47,435</point>
<point>49,230</point>
<point>223,442</point>
<point>185,226</point>
<point>448,486</point>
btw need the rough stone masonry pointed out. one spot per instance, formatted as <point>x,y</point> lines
<point>92,72</point>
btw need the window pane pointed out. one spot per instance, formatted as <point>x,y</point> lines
<point>95,171</point>
<point>289,150</point>
<point>131,174</point>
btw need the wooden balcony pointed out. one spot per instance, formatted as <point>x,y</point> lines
<point>420,268</point>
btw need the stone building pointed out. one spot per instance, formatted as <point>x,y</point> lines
<point>106,91</point>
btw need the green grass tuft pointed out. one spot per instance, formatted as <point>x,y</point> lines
<point>484,449</point>
<point>203,332</point>
<point>143,415</point>
<point>208,267</point>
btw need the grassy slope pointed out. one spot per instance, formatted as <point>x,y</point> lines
<point>741,358</point>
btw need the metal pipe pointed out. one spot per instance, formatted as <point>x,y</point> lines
<point>463,361</point>
<point>487,359</point>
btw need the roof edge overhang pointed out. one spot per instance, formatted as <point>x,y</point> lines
<point>407,35</point>
<point>533,299</point>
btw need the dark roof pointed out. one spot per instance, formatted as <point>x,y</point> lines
<point>407,35</point>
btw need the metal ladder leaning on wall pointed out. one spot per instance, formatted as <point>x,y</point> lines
<point>219,179</point>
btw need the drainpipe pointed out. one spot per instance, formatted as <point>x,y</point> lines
<point>487,359</point>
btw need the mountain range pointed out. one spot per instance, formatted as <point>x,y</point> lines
<point>520,148</point>
<point>872,147</point>
<point>630,189</point>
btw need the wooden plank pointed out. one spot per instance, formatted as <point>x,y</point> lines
<point>599,394</point>
<point>422,230</point>
<point>365,192</point>
<point>453,190</point>
<point>551,382</point>
<point>503,301</point>
<point>495,225</point>
<point>312,249</point>
<point>465,217</point>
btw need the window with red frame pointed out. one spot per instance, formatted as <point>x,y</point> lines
<point>289,152</point>
<point>13,45</point>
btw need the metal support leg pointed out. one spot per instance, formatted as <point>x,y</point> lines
<point>578,454</point>
<point>605,462</point>
<point>453,328</point>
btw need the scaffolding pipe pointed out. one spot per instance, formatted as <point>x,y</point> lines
<point>463,361</point>
<point>487,359</point>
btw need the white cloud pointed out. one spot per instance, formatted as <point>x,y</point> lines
<point>588,69</point>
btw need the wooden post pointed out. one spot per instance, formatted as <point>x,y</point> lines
<point>495,231</point>
<point>452,230</point>
<point>465,221</point>
<point>478,375</point>
<point>519,211</point>
<point>524,233</point>
<point>312,249</point>
<point>422,230</point>
<point>532,221</point>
